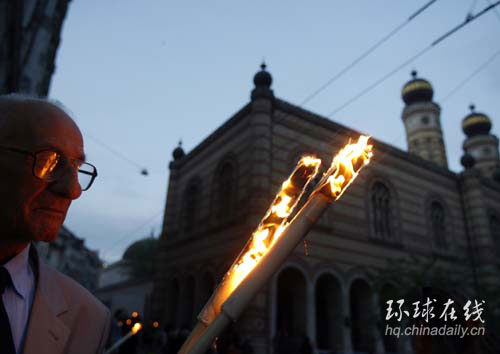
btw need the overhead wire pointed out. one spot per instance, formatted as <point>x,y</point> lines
<point>468,20</point>
<point>122,156</point>
<point>471,76</point>
<point>494,10</point>
<point>129,234</point>
<point>367,52</point>
<point>379,81</point>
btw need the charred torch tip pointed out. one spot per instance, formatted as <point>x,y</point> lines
<point>310,161</point>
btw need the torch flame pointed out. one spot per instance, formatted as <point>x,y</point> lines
<point>346,166</point>
<point>136,328</point>
<point>282,209</point>
<point>274,222</point>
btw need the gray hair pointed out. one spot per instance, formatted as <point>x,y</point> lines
<point>20,98</point>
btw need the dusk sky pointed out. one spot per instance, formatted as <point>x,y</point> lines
<point>140,75</point>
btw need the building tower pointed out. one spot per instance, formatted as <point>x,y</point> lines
<point>421,119</point>
<point>480,144</point>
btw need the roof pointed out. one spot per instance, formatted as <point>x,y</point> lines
<point>317,119</point>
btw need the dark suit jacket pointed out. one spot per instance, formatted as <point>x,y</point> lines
<point>65,317</point>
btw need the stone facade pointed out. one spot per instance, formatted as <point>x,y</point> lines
<point>29,39</point>
<point>401,205</point>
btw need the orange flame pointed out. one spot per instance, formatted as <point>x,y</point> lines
<point>274,221</point>
<point>346,166</point>
<point>136,328</point>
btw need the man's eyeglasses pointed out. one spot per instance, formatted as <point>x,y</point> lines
<point>50,166</point>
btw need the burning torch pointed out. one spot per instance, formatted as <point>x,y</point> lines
<point>135,328</point>
<point>275,238</point>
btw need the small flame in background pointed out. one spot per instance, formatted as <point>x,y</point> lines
<point>136,328</point>
<point>274,222</point>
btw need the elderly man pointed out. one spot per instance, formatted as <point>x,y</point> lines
<point>42,170</point>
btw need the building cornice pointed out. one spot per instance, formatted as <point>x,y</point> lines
<point>333,126</point>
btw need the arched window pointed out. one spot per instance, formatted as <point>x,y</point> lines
<point>191,206</point>
<point>438,224</point>
<point>381,211</point>
<point>224,191</point>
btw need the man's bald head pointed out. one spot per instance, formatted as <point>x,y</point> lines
<point>32,208</point>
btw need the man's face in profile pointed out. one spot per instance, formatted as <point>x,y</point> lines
<point>32,209</point>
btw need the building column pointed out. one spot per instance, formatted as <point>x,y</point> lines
<point>347,321</point>
<point>311,312</point>
<point>168,230</point>
<point>377,334</point>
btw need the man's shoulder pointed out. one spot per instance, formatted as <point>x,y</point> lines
<point>73,292</point>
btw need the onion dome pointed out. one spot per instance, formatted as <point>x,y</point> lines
<point>417,90</point>
<point>263,78</point>
<point>140,256</point>
<point>178,152</point>
<point>142,249</point>
<point>476,123</point>
<point>467,161</point>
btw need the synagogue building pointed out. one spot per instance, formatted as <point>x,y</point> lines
<point>406,212</point>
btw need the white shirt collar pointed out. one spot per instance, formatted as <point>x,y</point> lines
<point>18,268</point>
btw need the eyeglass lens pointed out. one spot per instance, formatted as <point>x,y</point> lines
<point>45,168</point>
<point>45,163</point>
<point>86,174</point>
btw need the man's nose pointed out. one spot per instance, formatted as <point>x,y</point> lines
<point>67,185</point>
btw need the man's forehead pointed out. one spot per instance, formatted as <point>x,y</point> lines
<point>38,124</point>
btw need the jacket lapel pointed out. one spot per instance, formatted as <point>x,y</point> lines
<point>47,333</point>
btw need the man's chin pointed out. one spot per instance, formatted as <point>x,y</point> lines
<point>48,233</point>
<point>45,226</point>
